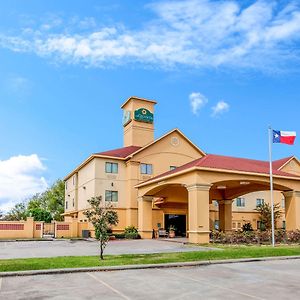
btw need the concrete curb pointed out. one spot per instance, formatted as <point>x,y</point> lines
<point>148,266</point>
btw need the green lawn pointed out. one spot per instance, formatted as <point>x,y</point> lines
<point>227,252</point>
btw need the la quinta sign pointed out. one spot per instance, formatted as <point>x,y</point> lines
<point>143,115</point>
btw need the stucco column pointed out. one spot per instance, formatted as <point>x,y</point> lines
<point>198,206</point>
<point>292,210</point>
<point>145,217</point>
<point>225,215</point>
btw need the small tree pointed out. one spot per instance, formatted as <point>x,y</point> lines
<point>266,214</point>
<point>102,218</point>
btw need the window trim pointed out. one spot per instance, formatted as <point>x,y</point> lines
<point>111,193</point>
<point>262,201</point>
<point>241,201</point>
<point>109,167</point>
<point>149,169</point>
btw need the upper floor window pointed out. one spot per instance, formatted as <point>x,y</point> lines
<point>111,196</point>
<point>260,202</point>
<point>66,185</point>
<point>146,169</point>
<point>111,167</point>
<point>240,202</point>
<point>66,204</point>
<point>73,202</point>
<point>172,168</point>
<point>215,203</point>
<point>73,179</point>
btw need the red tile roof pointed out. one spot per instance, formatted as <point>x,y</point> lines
<point>213,161</point>
<point>120,152</point>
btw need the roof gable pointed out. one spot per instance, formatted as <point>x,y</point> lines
<point>291,165</point>
<point>168,134</point>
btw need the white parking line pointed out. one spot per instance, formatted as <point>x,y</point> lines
<point>216,286</point>
<point>108,286</point>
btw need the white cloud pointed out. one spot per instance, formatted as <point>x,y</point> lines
<point>220,108</point>
<point>197,101</point>
<point>194,33</point>
<point>20,178</point>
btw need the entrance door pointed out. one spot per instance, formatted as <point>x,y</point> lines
<point>178,221</point>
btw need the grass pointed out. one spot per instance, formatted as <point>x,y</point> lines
<point>227,252</point>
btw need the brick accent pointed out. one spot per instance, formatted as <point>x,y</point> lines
<point>63,227</point>
<point>11,226</point>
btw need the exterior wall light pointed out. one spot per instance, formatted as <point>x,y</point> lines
<point>221,187</point>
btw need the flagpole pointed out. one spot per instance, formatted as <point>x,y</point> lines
<point>271,184</point>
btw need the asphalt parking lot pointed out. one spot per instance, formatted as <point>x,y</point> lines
<point>78,247</point>
<point>255,280</point>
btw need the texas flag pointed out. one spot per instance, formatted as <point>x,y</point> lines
<point>284,137</point>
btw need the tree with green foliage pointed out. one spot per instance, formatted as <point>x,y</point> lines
<point>103,217</point>
<point>17,213</point>
<point>45,206</point>
<point>266,215</point>
<point>51,202</point>
<point>40,214</point>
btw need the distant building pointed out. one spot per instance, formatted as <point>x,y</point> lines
<point>170,181</point>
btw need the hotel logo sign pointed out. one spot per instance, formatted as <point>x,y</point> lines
<point>143,115</point>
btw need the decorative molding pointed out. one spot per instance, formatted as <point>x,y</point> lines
<point>199,187</point>
<point>225,201</point>
<point>145,198</point>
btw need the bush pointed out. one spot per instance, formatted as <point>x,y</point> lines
<point>255,237</point>
<point>247,227</point>
<point>131,232</point>
<point>119,236</point>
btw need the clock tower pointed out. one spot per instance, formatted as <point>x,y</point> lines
<point>138,121</point>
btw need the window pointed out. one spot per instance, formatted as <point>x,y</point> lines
<point>66,204</point>
<point>66,184</point>
<point>146,169</point>
<point>172,168</point>
<point>111,196</point>
<point>215,203</point>
<point>283,224</point>
<point>259,225</point>
<point>73,202</point>
<point>111,167</point>
<point>216,225</point>
<point>259,202</point>
<point>283,203</point>
<point>240,202</point>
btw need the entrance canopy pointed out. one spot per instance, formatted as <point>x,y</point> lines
<point>223,178</point>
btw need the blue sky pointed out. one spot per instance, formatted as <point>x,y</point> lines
<point>220,71</point>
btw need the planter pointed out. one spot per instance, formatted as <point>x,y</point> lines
<point>171,234</point>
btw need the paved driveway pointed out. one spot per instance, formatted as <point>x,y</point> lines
<point>256,280</point>
<point>77,248</point>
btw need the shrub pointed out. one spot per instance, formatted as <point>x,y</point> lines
<point>255,237</point>
<point>131,232</point>
<point>247,227</point>
<point>119,235</point>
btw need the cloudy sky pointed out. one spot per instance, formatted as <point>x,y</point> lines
<point>221,71</point>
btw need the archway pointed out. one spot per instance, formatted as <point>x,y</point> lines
<point>225,191</point>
